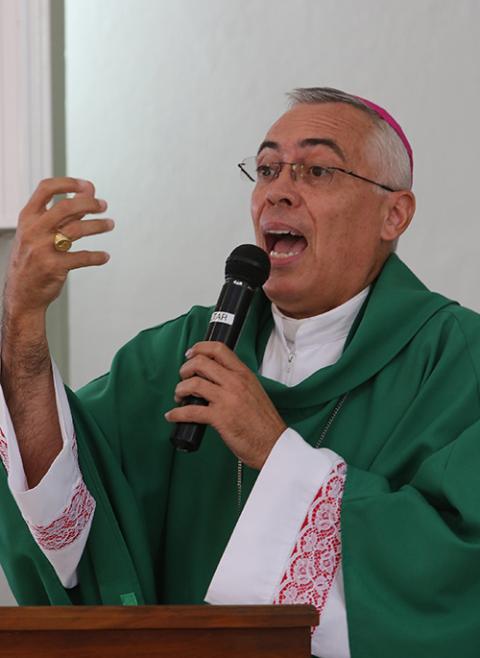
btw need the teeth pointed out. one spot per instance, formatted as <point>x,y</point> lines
<point>283,232</point>
<point>278,254</point>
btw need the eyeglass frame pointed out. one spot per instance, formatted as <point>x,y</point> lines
<point>240,165</point>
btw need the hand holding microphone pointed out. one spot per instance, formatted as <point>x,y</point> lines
<point>238,407</point>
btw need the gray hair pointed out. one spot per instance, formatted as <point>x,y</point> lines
<point>387,147</point>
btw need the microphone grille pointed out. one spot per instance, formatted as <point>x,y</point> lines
<point>248,263</point>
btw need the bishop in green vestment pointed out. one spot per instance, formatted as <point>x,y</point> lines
<point>400,407</point>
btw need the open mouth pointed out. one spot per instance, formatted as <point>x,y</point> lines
<point>284,243</point>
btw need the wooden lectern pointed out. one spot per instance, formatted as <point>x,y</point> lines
<point>264,631</point>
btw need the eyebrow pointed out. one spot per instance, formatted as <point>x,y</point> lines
<point>309,141</point>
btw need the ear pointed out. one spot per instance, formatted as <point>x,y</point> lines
<point>399,214</point>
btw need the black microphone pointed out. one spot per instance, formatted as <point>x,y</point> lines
<point>247,268</point>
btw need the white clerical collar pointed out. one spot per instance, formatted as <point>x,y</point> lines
<point>320,329</point>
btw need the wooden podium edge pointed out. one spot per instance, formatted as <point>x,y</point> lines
<point>29,618</point>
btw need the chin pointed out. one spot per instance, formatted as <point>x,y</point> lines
<point>283,295</point>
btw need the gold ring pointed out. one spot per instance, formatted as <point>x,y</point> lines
<point>61,242</point>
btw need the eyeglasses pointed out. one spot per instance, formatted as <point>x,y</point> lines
<point>311,173</point>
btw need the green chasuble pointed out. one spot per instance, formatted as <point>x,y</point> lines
<point>408,431</point>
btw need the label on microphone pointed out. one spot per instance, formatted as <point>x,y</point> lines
<point>223,317</point>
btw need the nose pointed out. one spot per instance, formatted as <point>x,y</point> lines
<point>283,189</point>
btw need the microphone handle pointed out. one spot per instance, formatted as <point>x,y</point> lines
<point>225,327</point>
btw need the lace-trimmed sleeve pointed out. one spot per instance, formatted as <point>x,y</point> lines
<point>59,510</point>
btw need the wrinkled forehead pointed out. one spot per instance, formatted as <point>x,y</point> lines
<point>339,129</point>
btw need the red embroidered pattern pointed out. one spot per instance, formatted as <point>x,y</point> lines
<point>66,528</point>
<point>317,552</point>
<point>3,449</point>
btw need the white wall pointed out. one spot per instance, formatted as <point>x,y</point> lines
<point>164,98</point>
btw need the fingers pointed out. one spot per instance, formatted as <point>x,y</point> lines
<point>201,388</point>
<point>204,367</point>
<point>36,271</point>
<point>80,229</point>
<point>67,210</point>
<point>76,229</point>
<point>192,413</point>
<point>78,259</point>
<point>220,353</point>
<point>49,187</point>
<point>88,189</point>
<point>64,211</point>
<point>211,367</point>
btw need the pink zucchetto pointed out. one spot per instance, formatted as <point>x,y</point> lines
<point>386,116</point>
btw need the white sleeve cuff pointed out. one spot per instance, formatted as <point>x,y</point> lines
<point>330,638</point>
<point>59,509</point>
<point>63,540</point>
<point>258,550</point>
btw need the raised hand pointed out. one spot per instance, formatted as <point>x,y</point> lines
<point>36,274</point>
<point>37,271</point>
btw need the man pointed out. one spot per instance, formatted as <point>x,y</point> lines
<point>353,400</point>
